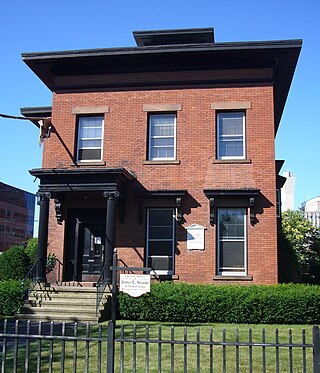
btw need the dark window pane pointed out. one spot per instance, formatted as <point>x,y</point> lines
<point>160,248</point>
<point>231,255</point>
<point>162,142</point>
<point>160,217</point>
<point>231,148</point>
<point>89,154</point>
<point>160,232</point>
<point>231,223</point>
<point>89,144</point>
<point>160,264</point>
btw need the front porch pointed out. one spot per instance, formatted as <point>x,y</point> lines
<point>86,201</point>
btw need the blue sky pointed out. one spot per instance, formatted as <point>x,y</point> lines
<point>30,26</point>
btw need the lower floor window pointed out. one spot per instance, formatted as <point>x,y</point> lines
<point>232,252</point>
<point>160,240</point>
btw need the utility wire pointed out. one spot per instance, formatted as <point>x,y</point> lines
<point>7,116</point>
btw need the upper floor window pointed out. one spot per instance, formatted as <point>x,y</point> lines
<point>90,133</point>
<point>162,137</point>
<point>231,135</point>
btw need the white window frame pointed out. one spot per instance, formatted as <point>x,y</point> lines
<point>219,141</point>
<point>80,118</point>
<point>220,271</point>
<point>161,272</point>
<point>152,115</point>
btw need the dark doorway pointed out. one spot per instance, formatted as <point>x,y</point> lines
<point>85,239</point>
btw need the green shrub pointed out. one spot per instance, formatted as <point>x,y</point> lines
<point>14,264</point>
<point>274,304</point>
<point>32,249</point>
<point>11,297</point>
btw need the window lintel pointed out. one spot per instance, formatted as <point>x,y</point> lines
<point>231,105</point>
<point>90,110</point>
<point>161,107</point>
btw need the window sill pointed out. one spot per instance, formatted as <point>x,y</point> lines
<point>237,161</point>
<point>160,162</point>
<point>232,278</point>
<point>165,277</point>
<point>99,163</point>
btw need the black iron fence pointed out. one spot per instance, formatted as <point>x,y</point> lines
<point>27,346</point>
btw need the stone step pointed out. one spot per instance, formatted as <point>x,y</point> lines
<point>65,292</point>
<point>36,295</point>
<point>56,310</point>
<point>64,303</point>
<point>66,289</point>
<point>57,305</point>
<point>59,317</point>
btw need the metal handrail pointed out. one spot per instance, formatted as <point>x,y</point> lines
<point>59,276</point>
<point>31,275</point>
<point>102,284</point>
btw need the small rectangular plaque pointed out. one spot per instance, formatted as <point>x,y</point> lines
<point>195,237</point>
<point>135,285</point>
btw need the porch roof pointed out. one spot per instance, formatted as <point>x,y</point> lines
<point>82,179</point>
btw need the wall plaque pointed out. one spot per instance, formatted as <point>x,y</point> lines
<point>195,237</point>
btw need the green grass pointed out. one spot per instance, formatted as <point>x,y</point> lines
<point>230,352</point>
<point>166,350</point>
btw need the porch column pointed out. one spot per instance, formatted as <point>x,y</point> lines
<point>110,229</point>
<point>43,236</point>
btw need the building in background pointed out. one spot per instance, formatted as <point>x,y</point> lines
<point>287,191</point>
<point>16,216</point>
<point>311,210</point>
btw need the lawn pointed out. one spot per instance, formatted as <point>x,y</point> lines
<point>88,352</point>
<point>225,359</point>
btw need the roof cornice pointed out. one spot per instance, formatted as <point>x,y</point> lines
<point>254,63</point>
<point>101,52</point>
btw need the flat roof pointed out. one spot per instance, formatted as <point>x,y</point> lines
<point>176,36</point>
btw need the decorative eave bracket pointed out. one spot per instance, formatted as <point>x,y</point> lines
<point>155,194</point>
<point>211,201</point>
<point>252,210</point>
<point>251,194</point>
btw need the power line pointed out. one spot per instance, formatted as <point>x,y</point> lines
<point>7,116</point>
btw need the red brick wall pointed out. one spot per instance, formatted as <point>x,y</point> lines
<point>125,145</point>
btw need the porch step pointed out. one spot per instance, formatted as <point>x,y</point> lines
<point>65,304</point>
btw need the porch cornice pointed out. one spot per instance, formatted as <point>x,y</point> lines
<point>82,179</point>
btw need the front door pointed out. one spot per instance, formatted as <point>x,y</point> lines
<point>85,244</point>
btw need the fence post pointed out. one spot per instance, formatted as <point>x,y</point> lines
<point>112,322</point>
<point>316,349</point>
<point>110,361</point>
<point>114,287</point>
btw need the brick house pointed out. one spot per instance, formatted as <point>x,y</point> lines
<point>165,151</point>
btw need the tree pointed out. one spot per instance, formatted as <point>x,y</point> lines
<point>31,249</point>
<point>304,239</point>
<point>14,264</point>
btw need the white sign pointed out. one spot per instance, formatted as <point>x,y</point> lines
<point>135,285</point>
<point>195,237</point>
